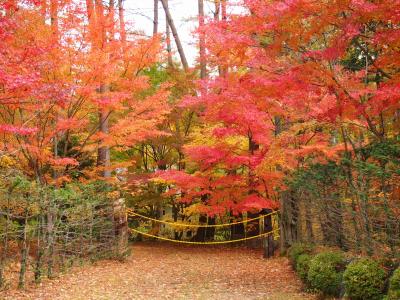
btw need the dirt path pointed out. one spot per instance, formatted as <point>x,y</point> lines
<point>163,271</point>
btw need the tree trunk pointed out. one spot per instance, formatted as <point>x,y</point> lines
<point>155,19</point>
<point>202,48</point>
<point>223,10</point>
<point>168,40</point>
<point>121,228</point>
<point>104,151</point>
<point>210,231</point>
<point>217,6</point>
<point>122,31</point>
<point>50,240</point>
<point>54,17</point>
<point>253,227</point>
<point>268,241</point>
<point>200,235</point>
<point>308,217</point>
<point>5,244</point>
<point>176,36</point>
<point>238,230</point>
<point>24,255</point>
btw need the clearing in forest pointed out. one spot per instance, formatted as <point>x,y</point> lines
<point>165,271</point>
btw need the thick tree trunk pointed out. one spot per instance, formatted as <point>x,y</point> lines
<point>238,230</point>
<point>200,235</point>
<point>268,241</point>
<point>210,231</point>
<point>289,220</point>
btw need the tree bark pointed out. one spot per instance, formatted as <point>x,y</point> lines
<point>176,36</point>
<point>217,5</point>
<point>24,254</point>
<point>155,18</point>
<point>223,9</point>
<point>122,31</point>
<point>268,241</point>
<point>104,151</point>
<point>168,40</point>
<point>202,49</point>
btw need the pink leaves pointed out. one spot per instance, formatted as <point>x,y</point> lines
<point>65,161</point>
<point>11,129</point>
<point>364,5</point>
<point>208,156</point>
<point>255,202</point>
<point>70,123</point>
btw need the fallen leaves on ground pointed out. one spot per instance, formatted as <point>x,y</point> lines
<point>164,271</point>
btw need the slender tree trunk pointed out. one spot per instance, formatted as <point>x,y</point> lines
<point>5,243</point>
<point>54,17</point>
<point>111,20</point>
<point>253,227</point>
<point>104,151</point>
<point>43,10</point>
<point>223,9</point>
<point>217,9</point>
<point>40,247</point>
<point>176,36</point>
<point>224,69</point>
<point>309,224</point>
<point>155,18</point>
<point>50,239</point>
<point>122,31</point>
<point>168,39</point>
<point>24,254</point>
<point>353,192</point>
<point>202,48</point>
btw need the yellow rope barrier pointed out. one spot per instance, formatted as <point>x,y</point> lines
<point>133,214</point>
<point>204,243</point>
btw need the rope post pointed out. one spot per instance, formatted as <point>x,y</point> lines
<point>268,240</point>
<point>121,228</point>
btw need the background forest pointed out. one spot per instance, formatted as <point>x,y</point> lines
<point>291,106</point>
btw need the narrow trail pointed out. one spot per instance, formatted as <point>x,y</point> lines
<point>164,271</point>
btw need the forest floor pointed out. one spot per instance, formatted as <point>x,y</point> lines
<point>164,271</point>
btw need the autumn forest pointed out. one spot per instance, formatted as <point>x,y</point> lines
<point>279,144</point>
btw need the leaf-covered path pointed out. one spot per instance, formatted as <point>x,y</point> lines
<point>163,271</point>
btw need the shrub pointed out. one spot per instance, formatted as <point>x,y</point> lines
<point>303,265</point>
<point>296,250</point>
<point>364,279</point>
<point>325,273</point>
<point>394,286</point>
